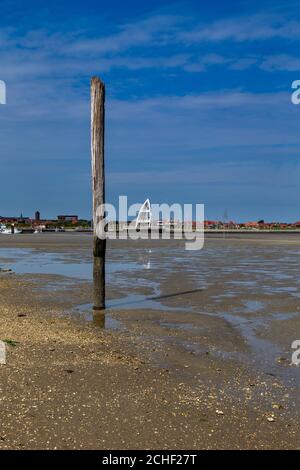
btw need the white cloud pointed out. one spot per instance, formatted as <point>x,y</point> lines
<point>141,45</point>
<point>240,29</point>
<point>282,62</point>
<point>153,30</point>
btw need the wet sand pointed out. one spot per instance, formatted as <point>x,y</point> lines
<point>195,353</point>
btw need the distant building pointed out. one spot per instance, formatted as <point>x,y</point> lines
<point>210,224</point>
<point>15,220</point>
<point>37,216</point>
<point>68,218</point>
<point>251,225</point>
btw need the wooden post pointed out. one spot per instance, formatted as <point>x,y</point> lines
<point>98,179</point>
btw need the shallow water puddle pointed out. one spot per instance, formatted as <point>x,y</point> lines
<point>28,261</point>
<point>85,312</point>
<point>233,277</point>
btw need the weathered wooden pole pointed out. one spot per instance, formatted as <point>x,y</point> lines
<point>98,184</point>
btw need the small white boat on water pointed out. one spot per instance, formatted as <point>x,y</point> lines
<point>4,230</point>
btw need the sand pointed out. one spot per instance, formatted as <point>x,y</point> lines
<point>197,364</point>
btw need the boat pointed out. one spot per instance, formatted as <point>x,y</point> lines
<point>4,230</point>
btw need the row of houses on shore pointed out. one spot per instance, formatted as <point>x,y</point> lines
<point>207,225</point>
<point>37,221</point>
<point>260,225</point>
<point>75,222</point>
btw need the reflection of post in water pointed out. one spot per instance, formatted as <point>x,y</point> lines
<point>98,179</point>
<point>145,259</point>
<point>99,318</point>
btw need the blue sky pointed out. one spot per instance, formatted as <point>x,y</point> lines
<point>198,104</point>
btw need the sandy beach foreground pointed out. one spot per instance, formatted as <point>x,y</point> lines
<point>195,353</point>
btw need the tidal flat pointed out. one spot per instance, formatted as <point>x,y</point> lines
<point>194,350</point>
